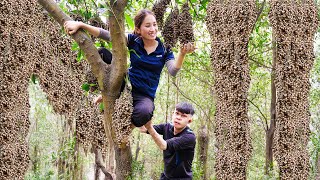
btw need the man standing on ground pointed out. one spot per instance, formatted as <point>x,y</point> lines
<point>177,142</point>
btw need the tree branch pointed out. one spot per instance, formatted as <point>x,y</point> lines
<point>185,96</point>
<point>259,13</point>
<point>264,117</point>
<point>119,48</point>
<point>100,165</point>
<point>261,10</point>
<point>83,40</point>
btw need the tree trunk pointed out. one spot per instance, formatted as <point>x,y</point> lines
<point>167,100</point>
<point>138,148</point>
<point>109,81</point>
<point>271,129</point>
<point>203,140</point>
<point>77,165</point>
<point>318,167</point>
<point>35,159</point>
<point>123,156</point>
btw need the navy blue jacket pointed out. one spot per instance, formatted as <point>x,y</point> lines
<point>145,69</point>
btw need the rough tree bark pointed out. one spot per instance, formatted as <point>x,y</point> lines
<point>109,82</point>
<point>318,168</point>
<point>203,140</point>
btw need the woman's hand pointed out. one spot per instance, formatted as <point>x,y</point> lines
<point>72,27</point>
<point>187,48</point>
<point>97,100</point>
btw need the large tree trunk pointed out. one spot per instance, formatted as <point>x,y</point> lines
<point>123,155</point>
<point>124,161</point>
<point>271,129</point>
<point>109,80</point>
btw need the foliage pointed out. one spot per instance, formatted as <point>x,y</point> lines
<point>42,142</point>
<point>49,142</point>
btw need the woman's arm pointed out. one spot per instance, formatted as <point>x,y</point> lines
<point>72,26</point>
<point>174,66</point>
<point>185,49</point>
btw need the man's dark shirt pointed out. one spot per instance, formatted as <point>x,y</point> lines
<point>179,153</point>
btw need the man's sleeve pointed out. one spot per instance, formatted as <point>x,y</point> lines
<point>186,141</point>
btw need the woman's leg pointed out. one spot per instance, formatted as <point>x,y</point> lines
<point>105,55</point>
<point>143,107</point>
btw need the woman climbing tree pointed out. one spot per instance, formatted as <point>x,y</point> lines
<point>148,56</point>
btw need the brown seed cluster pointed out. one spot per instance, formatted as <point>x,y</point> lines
<point>169,31</point>
<point>230,24</point>
<point>31,43</point>
<point>159,8</point>
<point>294,25</point>
<point>183,26</point>
<point>121,118</point>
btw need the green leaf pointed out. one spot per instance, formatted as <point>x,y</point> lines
<point>85,87</point>
<point>74,46</point>
<point>33,79</point>
<point>129,21</point>
<point>101,107</point>
<point>80,56</point>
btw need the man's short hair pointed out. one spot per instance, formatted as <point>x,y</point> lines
<point>185,108</point>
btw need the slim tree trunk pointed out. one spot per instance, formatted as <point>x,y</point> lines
<point>203,142</point>
<point>167,100</point>
<point>138,148</point>
<point>77,164</point>
<point>318,167</point>
<point>271,129</point>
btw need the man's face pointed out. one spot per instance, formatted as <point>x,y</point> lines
<point>180,120</point>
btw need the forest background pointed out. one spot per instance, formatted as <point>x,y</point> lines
<point>49,141</point>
